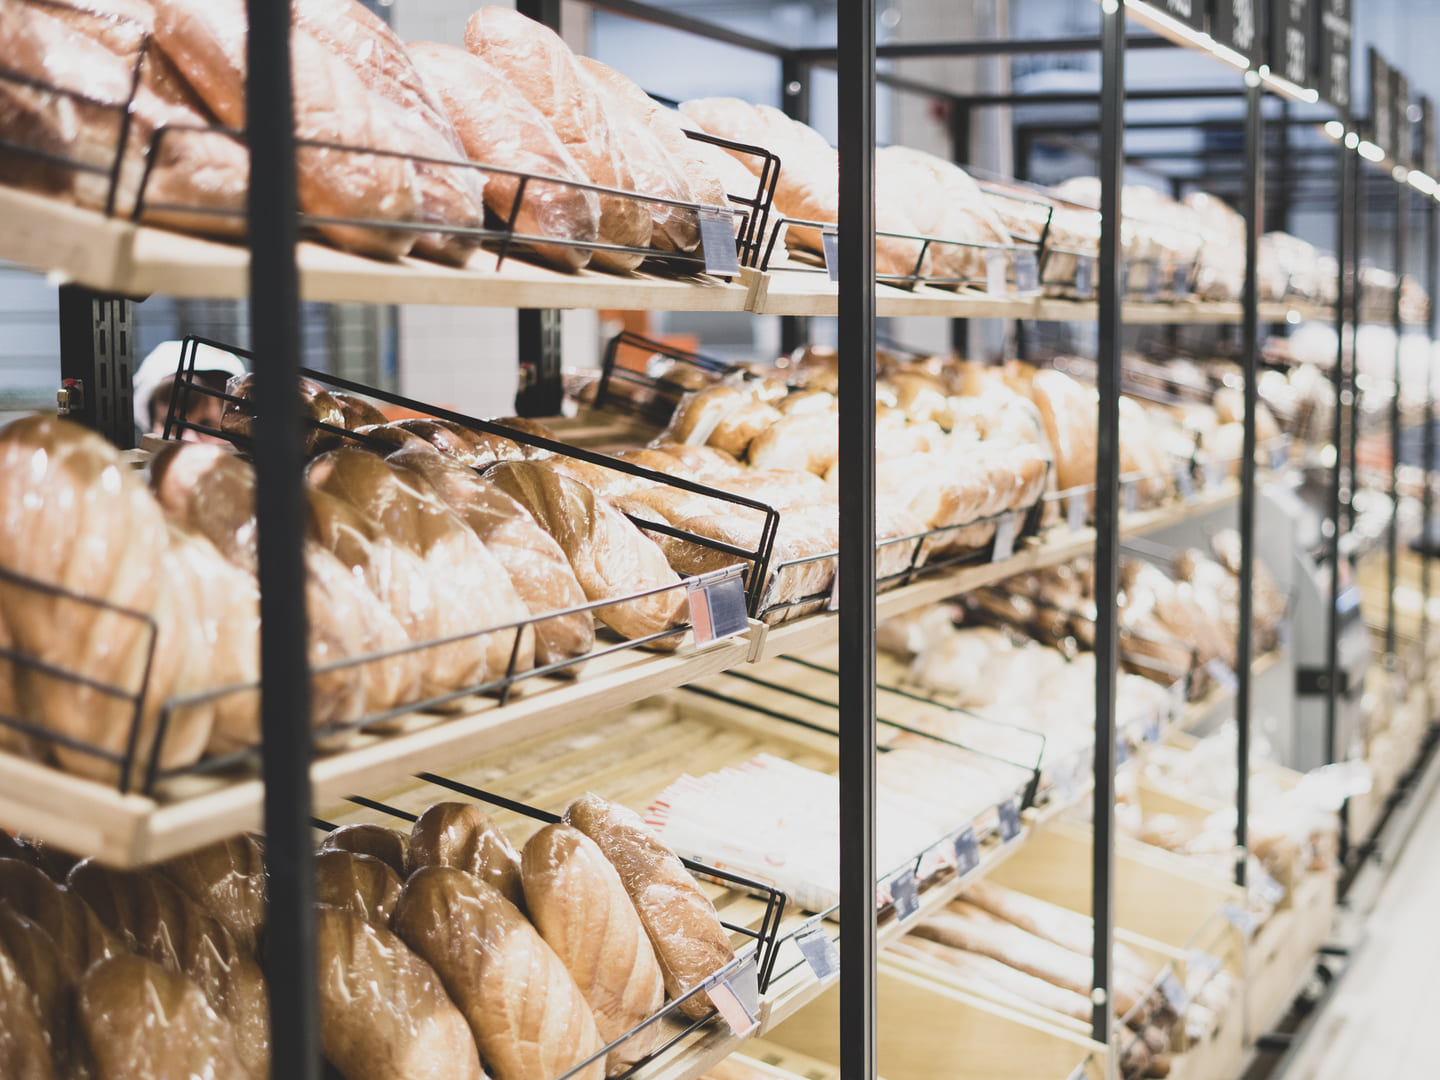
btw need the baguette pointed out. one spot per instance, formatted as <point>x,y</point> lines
<point>528,1017</point>
<point>360,885</point>
<point>227,881</point>
<point>689,941</point>
<point>463,836</point>
<point>578,903</point>
<point>24,1051</point>
<point>384,1014</point>
<point>390,846</point>
<point>1000,976</point>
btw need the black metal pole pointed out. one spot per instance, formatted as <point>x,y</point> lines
<point>1343,255</point>
<point>961,122</point>
<point>795,103</point>
<point>97,361</point>
<point>858,1020</point>
<point>1250,356</point>
<point>1432,281</point>
<point>1107,512</point>
<point>1357,299</point>
<point>1392,566</point>
<point>280,511</point>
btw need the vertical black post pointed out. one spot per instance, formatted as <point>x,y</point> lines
<point>541,387</point>
<point>280,509</point>
<point>856,70</point>
<point>961,118</point>
<point>1343,256</point>
<point>1107,511</point>
<point>1432,283</point>
<point>1360,196</point>
<point>1392,566</point>
<point>97,351</point>
<point>795,103</point>
<point>1250,357</point>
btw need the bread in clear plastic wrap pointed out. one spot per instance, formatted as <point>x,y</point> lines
<point>1068,411</point>
<point>689,941</point>
<point>945,204</point>
<point>357,411</point>
<point>227,880</point>
<point>158,921</point>
<point>727,418</point>
<point>316,405</point>
<point>80,936</point>
<point>388,845</point>
<point>24,1045</point>
<point>545,71</point>
<point>536,565</point>
<point>360,885</point>
<point>383,1011</point>
<point>707,464</point>
<point>51,983</point>
<point>611,558</point>
<point>576,900</point>
<point>463,836</point>
<point>529,1019</point>
<point>806,443</point>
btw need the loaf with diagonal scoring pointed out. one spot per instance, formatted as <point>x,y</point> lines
<point>390,846</point>
<point>463,836</point>
<point>360,885</point>
<point>227,880</point>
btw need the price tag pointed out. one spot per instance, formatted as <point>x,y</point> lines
<point>1282,634</point>
<point>737,998</point>
<point>1027,273</point>
<point>1335,53</point>
<point>1198,961</point>
<point>717,607</point>
<point>1151,730</point>
<point>1267,888</point>
<point>819,952</point>
<point>1084,278</point>
<point>1122,752</point>
<point>1065,783</point>
<point>1279,455</point>
<point>717,242</point>
<point>1004,536</point>
<point>1240,918</point>
<point>1152,282</point>
<point>905,894</point>
<point>1180,285</point>
<point>1185,482</point>
<point>1178,697</point>
<point>1214,473</point>
<point>1236,23</point>
<point>1223,674</point>
<point>1009,812</point>
<point>967,852</point>
<point>1130,493</point>
<point>995,284</point>
<point>830,245</point>
<point>1075,512</point>
<point>1174,993</point>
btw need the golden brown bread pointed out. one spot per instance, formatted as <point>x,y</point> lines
<point>51,979</point>
<point>498,126</point>
<point>120,26</point>
<point>316,406</point>
<point>227,881</point>
<point>577,902</point>
<point>684,930</point>
<point>359,884</point>
<point>544,70</point>
<point>143,1020</point>
<point>529,1018</point>
<point>383,1011</point>
<point>155,919</point>
<point>390,846</point>
<point>24,1049</point>
<point>804,442</point>
<point>463,836</point>
<point>47,857</point>
<point>1068,412</point>
<point>610,556</point>
<point>356,410</point>
<point>531,557</point>
<point>65,917</point>
<point>456,442</point>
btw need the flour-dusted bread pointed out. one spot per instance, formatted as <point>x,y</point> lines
<point>227,880</point>
<point>463,836</point>
<point>158,921</point>
<point>578,903</point>
<point>688,939</point>
<point>384,1013</point>
<point>143,1020</point>
<point>528,1016</point>
<point>359,884</point>
<point>545,71</point>
<point>390,846</point>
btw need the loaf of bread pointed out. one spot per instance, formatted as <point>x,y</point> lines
<point>361,885</point>
<point>356,410</point>
<point>383,1011</point>
<point>544,70</point>
<point>498,126</point>
<point>227,881</point>
<point>46,858</point>
<point>1070,417</point>
<point>206,41</point>
<point>51,980</point>
<point>65,917</point>
<point>476,449</point>
<point>463,836</point>
<point>121,26</point>
<point>806,443</point>
<point>390,846</point>
<point>993,974</point>
<point>24,1048</point>
<point>944,203</point>
<point>142,1019</point>
<point>578,903</point>
<point>531,557</point>
<point>316,406</point>
<point>724,417</point>
<point>610,556</point>
<point>684,930</point>
<point>707,464</point>
<point>156,920</point>
<point>528,1017</point>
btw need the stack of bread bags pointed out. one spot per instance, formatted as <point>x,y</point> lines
<point>441,953</point>
<point>515,97</point>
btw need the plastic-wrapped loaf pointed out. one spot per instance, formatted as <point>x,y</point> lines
<point>463,836</point>
<point>361,885</point>
<point>50,978</point>
<point>528,1017</point>
<point>545,71</point>
<point>498,126</point>
<point>578,903</point>
<point>24,1048</point>
<point>81,937</point>
<point>1068,412</point>
<point>75,517</point>
<point>390,846</point>
<point>227,881</point>
<point>689,941</point>
<point>383,1011</point>
<point>728,418</point>
<point>1221,272</point>
<point>316,404</point>
<point>141,1019</point>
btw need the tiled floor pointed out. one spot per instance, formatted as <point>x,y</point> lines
<point>1385,1016</point>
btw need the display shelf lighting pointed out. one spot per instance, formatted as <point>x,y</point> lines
<point>1352,140</point>
<point>1283,86</point>
<point>1335,129</point>
<point>1369,151</point>
<point>1167,26</point>
<point>1422,182</point>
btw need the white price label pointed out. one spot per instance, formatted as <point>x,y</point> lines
<point>1130,493</point>
<point>1009,812</point>
<point>717,242</point>
<point>1005,527</point>
<point>905,894</point>
<point>967,852</point>
<point>1267,888</point>
<point>737,998</point>
<point>1185,482</point>
<point>1279,455</point>
<point>819,952</point>
<point>1179,694</point>
<point>1223,674</point>
<point>1075,512</point>
<point>1240,918</point>
<point>1214,473</point>
<point>717,605</point>
<point>1027,273</point>
<point>1084,278</point>
<point>830,245</point>
<point>995,284</point>
<point>1174,993</point>
<point>1180,286</point>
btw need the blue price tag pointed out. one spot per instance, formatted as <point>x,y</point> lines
<point>1009,812</point>
<point>1084,278</point>
<point>819,952</point>
<point>830,244</point>
<point>967,852</point>
<point>717,242</point>
<point>905,894</point>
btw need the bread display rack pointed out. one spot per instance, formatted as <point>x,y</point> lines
<point>810,685</point>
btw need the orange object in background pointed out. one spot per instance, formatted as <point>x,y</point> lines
<point>640,322</point>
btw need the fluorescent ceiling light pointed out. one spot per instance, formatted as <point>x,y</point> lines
<point>1370,152</point>
<point>1167,26</point>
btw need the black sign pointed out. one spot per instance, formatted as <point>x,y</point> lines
<point>1425,155</point>
<point>1187,11</point>
<point>1236,24</point>
<point>1400,128</point>
<point>1382,113</point>
<point>1332,76</point>
<point>1292,29</point>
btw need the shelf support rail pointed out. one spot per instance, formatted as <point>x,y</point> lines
<point>1344,223</point>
